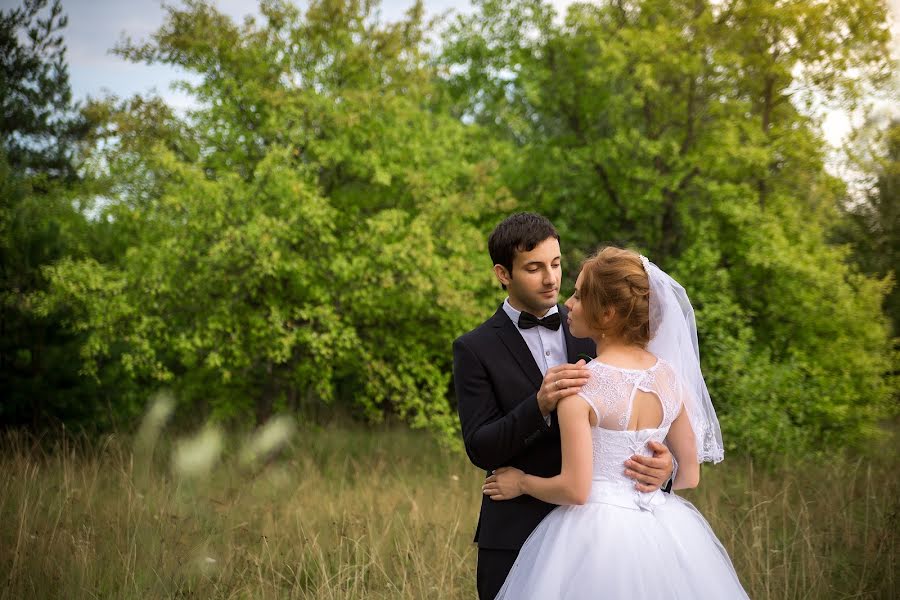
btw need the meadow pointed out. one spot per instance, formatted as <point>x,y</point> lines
<point>342,511</point>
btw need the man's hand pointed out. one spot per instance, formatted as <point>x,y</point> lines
<point>559,382</point>
<point>650,472</point>
<point>504,484</point>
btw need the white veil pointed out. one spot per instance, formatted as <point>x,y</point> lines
<point>673,337</point>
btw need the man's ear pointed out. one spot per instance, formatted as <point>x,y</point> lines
<point>502,274</point>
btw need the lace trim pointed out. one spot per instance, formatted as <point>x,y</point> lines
<point>610,392</point>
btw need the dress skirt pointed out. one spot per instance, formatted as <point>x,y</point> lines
<point>621,551</point>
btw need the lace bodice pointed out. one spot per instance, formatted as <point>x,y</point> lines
<point>610,392</point>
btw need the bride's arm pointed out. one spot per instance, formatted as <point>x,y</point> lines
<point>682,443</point>
<point>573,484</point>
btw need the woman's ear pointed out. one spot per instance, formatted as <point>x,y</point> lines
<point>609,317</point>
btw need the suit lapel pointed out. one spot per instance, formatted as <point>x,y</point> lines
<point>516,345</point>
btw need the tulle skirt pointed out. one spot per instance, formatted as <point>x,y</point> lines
<point>607,552</point>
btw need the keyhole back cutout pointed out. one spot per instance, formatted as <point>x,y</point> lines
<point>646,411</point>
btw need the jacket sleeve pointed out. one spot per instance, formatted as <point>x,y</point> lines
<point>491,437</point>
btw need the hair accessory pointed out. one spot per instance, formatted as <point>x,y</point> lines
<point>646,262</point>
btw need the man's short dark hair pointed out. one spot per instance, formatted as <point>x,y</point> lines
<point>520,232</point>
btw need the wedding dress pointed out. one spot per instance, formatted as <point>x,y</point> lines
<point>624,544</point>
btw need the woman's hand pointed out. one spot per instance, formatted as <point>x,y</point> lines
<point>504,484</point>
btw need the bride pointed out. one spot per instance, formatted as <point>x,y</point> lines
<point>607,539</point>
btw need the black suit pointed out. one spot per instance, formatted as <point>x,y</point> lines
<point>496,382</point>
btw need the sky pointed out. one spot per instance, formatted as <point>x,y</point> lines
<point>95,26</point>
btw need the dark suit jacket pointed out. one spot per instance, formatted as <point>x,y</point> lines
<point>496,382</point>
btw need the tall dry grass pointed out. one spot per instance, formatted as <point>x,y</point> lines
<point>351,513</point>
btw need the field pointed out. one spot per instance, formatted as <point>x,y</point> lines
<point>345,512</point>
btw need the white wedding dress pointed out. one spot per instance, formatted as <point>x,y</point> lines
<point>624,544</point>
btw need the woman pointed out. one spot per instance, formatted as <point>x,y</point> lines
<point>608,539</point>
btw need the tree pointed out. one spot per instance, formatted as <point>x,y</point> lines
<point>40,222</point>
<point>310,232</point>
<point>872,215</point>
<point>679,128</point>
<point>313,231</point>
<point>39,124</point>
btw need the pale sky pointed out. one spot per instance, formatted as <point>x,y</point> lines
<point>96,25</point>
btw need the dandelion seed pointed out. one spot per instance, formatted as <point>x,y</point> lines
<point>196,457</point>
<point>205,564</point>
<point>161,408</point>
<point>270,438</point>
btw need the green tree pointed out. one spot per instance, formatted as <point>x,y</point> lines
<point>873,214</point>
<point>40,218</point>
<point>40,125</point>
<point>312,230</point>
<point>680,128</point>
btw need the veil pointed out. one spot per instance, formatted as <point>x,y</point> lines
<point>673,337</point>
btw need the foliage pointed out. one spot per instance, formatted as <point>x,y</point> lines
<point>310,234</point>
<point>872,219</point>
<point>676,127</point>
<point>41,222</point>
<point>38,126</point>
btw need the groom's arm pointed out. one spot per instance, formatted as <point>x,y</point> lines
<point>491,438</point>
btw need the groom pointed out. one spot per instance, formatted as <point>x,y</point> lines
<point>509,373</point>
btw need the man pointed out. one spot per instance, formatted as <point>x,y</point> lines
<point>509,373</point>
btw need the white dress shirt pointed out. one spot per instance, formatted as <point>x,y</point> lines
<point>548,347</point>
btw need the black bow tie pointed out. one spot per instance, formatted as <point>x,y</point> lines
<point>528,320</point>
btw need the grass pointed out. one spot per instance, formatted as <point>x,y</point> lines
<point>348,513</point>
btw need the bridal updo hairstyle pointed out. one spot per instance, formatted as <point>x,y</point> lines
<point>615,278</point>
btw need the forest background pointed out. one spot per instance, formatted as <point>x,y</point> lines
<point>297,249</point>
<point>310,237</point>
